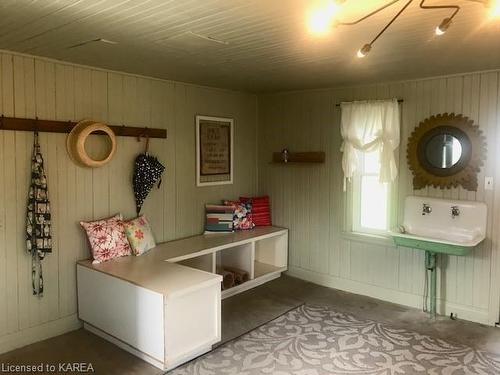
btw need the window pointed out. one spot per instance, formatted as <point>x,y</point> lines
<point>370,198</point>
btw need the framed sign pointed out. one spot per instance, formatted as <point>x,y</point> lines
<point>214,151</point>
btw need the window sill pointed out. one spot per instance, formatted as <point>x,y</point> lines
<point>379,239</point>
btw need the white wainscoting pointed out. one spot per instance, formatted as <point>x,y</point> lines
<point>31,87</point>
<point>308,199</point>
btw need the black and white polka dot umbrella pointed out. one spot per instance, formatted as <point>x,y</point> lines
<point>147,173</point>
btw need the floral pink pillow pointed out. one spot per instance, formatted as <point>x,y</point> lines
<point>139,234</point>
<point>107,238</point>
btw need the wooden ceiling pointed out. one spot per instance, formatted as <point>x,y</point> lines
<point>258,46</point>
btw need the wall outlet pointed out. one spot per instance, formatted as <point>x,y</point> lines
<point>488,183</point>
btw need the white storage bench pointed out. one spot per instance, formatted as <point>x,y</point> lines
<point>165,306</point>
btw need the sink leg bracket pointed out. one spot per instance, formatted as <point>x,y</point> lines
<point>430,265</point>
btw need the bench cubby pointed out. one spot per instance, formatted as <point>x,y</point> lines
<point>204,262</point>
<point>240,257</point>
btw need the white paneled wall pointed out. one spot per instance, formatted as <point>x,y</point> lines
<point>309,199</point>
<point>31,87</point>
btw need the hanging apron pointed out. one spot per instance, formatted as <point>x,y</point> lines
<point>38,238</point>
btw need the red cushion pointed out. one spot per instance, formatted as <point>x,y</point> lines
<point>261,211</point>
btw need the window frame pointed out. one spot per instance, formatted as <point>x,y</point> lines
<point>354,204</point>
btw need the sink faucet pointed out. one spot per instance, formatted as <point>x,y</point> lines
<point>426,209</point>
<point>455,211</point>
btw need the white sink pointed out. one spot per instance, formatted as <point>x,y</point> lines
<point>440,226</point>
<point>466,229</point>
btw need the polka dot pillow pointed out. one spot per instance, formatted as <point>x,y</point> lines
<point>107,238</point>
<point>139,234</point>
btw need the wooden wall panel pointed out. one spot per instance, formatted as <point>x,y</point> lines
<point>32,87</point>
<point>9,201</point>
<point>310,200</point>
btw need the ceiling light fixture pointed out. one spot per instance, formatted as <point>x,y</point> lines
<point>367,47</point>
<point>363,51</point>
<point>494,6</point>
<point>445,24</point>
<point>322,19</point>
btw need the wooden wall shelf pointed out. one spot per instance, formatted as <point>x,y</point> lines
<point>53,126</point>
<point>300,157</point>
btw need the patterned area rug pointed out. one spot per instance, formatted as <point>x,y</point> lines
<point>313,340</point>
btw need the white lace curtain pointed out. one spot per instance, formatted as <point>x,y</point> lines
<point>370,126</point>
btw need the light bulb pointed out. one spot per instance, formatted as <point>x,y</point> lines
<point>438,31</point>
<point>321,19</point>
<point>441,29</point>
<point>494,8</point>
<point>363,51</point>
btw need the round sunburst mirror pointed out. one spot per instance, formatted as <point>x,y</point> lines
<point>445,151</point>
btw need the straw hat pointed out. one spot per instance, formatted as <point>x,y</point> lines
<point>75,143</point>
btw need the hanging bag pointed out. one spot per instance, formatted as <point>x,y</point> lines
<point>38,231</point>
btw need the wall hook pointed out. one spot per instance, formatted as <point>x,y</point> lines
<point>35,125</point>
<point>146,136</point>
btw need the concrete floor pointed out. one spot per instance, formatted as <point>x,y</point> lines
<point>248,310</point>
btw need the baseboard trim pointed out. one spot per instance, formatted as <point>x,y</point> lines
<point>389,295</point>
<point>38,333</point>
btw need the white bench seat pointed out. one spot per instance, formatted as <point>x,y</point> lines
<point>165,306</point>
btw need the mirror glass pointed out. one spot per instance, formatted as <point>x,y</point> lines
<point>443,151</point>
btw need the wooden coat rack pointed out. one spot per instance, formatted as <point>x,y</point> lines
<point>53,126</point>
